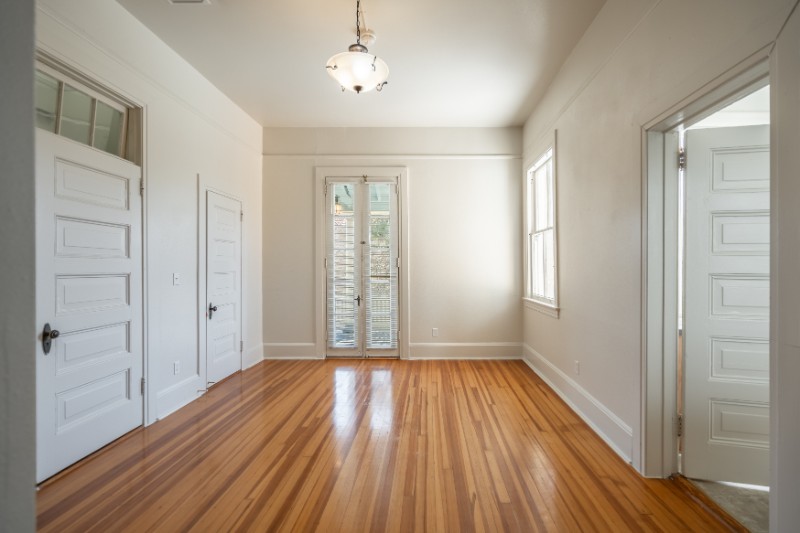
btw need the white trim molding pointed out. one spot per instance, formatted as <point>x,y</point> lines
<point>612,429</point>
<point>465,350</point>
<point>540,307</point>
<point>291,350</point>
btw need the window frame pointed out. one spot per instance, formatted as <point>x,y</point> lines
<point>546,154</point>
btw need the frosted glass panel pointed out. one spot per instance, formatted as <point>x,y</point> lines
<point>107,128</point>
<point>76,115</point>
<point>46,101</point>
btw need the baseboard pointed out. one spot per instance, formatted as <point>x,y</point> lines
<point>178,395</point>
<point>291,350</point>
<point>252,356</point>
<point>465,350</point>
<point>613,430</point>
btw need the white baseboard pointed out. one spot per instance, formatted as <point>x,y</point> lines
<point>465,350</point>
<point>178,395</point>
<point>291,350</point>
<point>612,429</point>
<point>252,356</point>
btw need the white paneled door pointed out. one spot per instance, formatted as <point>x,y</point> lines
<point>726,331</point>
<point>362,266</point>
<point>224,286</point>
<point>88,301</point>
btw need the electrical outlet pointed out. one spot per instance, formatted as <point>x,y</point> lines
<point>176,278</point>
<point>577,368</point>
<point>434,332</point>
<point>176,367</point>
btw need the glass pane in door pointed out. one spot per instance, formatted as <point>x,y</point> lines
<point>380,276</point>
<point>343,267</point>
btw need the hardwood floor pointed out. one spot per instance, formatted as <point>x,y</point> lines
<point>367,446</point>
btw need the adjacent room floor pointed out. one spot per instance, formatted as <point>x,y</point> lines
<point>359,445</point>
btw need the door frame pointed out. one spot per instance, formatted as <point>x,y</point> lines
<point>202,278</point>
<point>320,295</point>
<point>658,437</point>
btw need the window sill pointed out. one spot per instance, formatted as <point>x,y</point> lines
<point>545,309</point>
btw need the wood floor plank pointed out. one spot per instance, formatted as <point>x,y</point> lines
<point>355,445</point>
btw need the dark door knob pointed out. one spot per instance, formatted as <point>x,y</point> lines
<point>211,309</point>
<point>47,338</point>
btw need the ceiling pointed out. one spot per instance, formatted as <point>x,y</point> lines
<point>452,63</point>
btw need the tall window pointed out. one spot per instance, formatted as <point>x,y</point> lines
<point>541,219</point>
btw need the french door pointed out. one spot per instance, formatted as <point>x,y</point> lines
<point>362,266</point>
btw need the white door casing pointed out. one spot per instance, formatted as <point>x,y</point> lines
<point>223,286</point>
<point>89,289</point>
<point>726,327</point>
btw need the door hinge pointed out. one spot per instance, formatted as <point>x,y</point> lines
<point>681,158</point>
<point>680,426</point>
<point>241,215</point>
<point>142,386</point>
<point>325,264</point>
<point>241,346</point>
<point>141,188</point>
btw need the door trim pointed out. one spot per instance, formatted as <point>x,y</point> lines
<point>202,279</point>
<point>401,173</point>
<point>657,453</point>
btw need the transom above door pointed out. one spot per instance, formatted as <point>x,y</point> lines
<point>362,266</point>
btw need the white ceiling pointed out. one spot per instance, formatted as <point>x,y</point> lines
<point>453,63</point>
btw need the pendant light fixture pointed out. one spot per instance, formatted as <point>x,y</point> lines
<point>357,70</point>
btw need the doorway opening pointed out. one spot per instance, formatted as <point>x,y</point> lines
<point>707,289</point>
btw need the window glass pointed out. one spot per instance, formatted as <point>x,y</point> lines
<point>76,115</point>
<point>107,128</point>
<point>46,101</point>
<point>541,231</point>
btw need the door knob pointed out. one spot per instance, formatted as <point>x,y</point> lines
<point>47,337</point>
<point>211,309</point>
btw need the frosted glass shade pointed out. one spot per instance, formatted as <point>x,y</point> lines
<point>358,71</point>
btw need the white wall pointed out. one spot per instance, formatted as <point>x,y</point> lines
<point>637,60</point>
<point>17,292</point>
<point>464,233</point>
<point>190,128</point>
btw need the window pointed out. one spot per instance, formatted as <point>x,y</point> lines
<point>65,108</point>
<point>541,280</point>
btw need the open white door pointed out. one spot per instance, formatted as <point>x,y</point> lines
<point>223,286</point>
<point>89,301</point>
<point>726,325</point>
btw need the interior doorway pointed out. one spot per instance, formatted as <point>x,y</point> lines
<point>707,295</point>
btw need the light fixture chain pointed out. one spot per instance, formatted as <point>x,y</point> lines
<point>358,21</point>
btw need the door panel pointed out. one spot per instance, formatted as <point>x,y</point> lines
<point>362,268</point>
<point>89,288</point>
<point>726,404</point>
<point>224,293</point>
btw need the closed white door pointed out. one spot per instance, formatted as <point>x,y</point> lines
<point>88,301</point>
<point>726,331</point>
<point>224,286</point>
<point>362,267</point>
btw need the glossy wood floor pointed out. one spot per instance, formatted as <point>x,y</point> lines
<point>367,446</point>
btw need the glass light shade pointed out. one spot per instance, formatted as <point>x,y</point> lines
<point>358,71</point>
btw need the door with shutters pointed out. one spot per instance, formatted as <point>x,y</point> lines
<point>89,301</point>
<point>727,215</point>
<point>362,266</point>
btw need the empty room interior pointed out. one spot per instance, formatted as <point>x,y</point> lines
<point>361,265</point>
